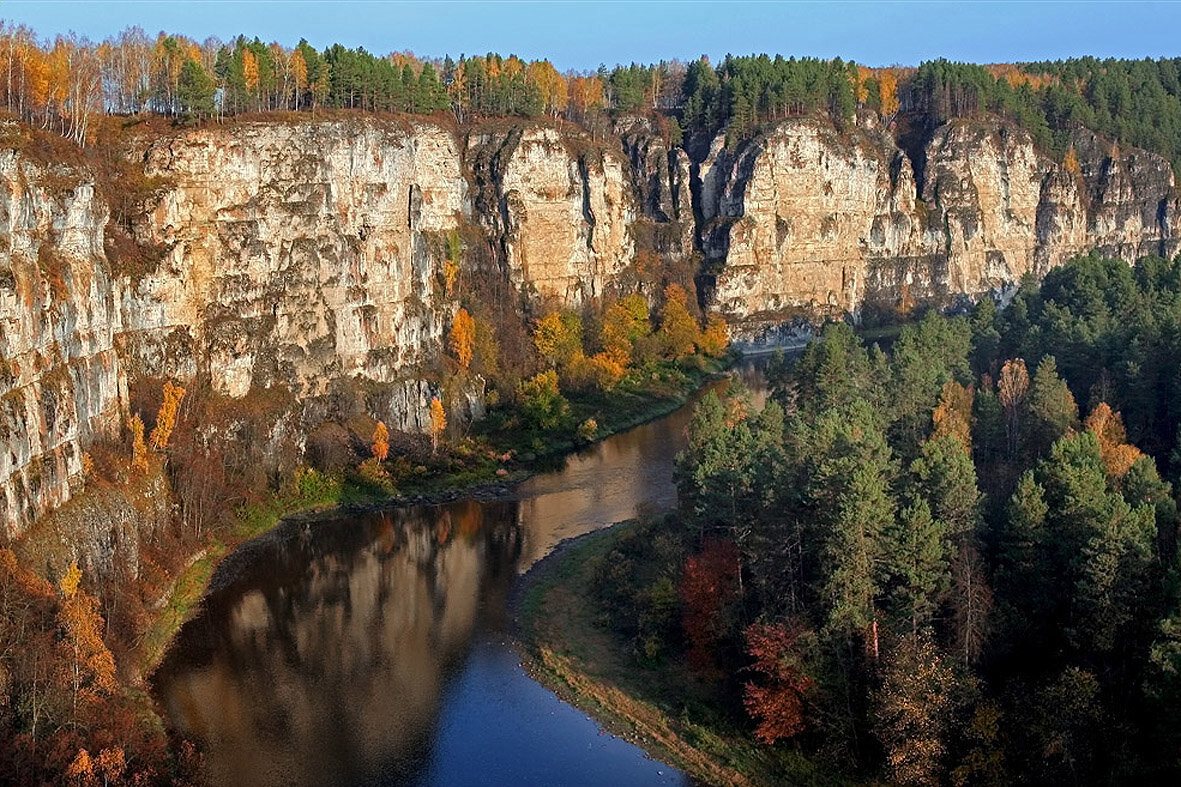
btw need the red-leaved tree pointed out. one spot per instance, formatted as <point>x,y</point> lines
<point>709,584</point>
<point>777,704</point>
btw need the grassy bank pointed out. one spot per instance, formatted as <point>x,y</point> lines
<point>568,646</point>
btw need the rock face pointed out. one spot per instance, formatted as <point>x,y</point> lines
<point>307,258</point>
<point>806,220</point>
<point>311,258</point>
<point>60,377</point>
<point>561,215</point>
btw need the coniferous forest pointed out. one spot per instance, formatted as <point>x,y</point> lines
<point>954,561</point>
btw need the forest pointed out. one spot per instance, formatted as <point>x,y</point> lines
<point>73,647</point>
<point>65,83</point>
<point>952,562</point>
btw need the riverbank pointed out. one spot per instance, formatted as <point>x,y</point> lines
<point>566,645</point>
<point>320,497</point>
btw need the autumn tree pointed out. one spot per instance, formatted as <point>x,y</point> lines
<point>888,85</point>
<point>90,664</point>
<point>166,417</point>
<point>953,414</point>
<point>1070,162</point>
<point>381,439</point>
<point>438,423</point>
<point>625,322</point>
<point>679,332</point>
<point>1108,427</point>
<point>715,338</point>
<point>558,338</point>
<point>542,405</point>
<point>139,451</point>
<point>912,710</point>
<point>1012,389</point>
<point>777,701</point>
<point>463,337</point>
<point>709,585</point>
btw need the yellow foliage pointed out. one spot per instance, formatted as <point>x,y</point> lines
<point>679,332</point>
<point>1070,162</point>
<point>438,422</point>
<point>463,337</point>
<point>450,273</point>
<point>588,430</point>
<point>69,581</point>
<point>716,336</point>
<point>166,418</point>
<point>381,442</point>
<point>888,85</point>
<point>606,370</point>
<point>82,768</point>
<point>139,451</point>
<point>624,322</point>
<point>558,338</point>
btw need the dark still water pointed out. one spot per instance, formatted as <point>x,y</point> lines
<point>375,649</point>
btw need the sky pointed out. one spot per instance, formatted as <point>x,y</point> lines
<point>581,34</point>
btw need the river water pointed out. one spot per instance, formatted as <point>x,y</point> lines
<point>375,649</point>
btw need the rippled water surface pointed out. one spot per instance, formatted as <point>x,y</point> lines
<point>374,649</point>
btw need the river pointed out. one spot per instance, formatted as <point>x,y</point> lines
<point>376,649</point>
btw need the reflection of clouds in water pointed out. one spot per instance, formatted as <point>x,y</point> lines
<point>334,674</point>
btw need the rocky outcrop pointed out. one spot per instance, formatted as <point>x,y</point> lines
<point>311,259</point>
<point>60,377</point>
<point>808,220</point>
<point>308,258</point>
<point>558,207</point>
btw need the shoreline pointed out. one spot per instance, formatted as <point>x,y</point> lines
<point>184,600</point>
<point>626,716</point>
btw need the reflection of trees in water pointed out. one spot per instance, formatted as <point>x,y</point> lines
<point>325,662</point>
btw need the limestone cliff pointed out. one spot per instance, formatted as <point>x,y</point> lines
<point>808,220</point>
<point>60,377</point>
<point>306,258</point>
<point>309,258</point>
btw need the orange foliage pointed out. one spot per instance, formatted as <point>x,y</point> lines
<point>1118,455</point>
<point>716,336</point>
<point>953,414</point>
<point>463,337</point>
<point>778,706</point>
<point>888,85</point>
<point>549,84</point>
<point>381,442</point>
<point>1070,162</point>
<point>139,451</point>
<point>250,69</point>
<point>438,422</point>
<point>166,417</point>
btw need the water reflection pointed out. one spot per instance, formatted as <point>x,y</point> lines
<point>327,667</point>
<point>373,649</point>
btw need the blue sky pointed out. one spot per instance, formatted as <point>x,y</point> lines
<point>580,34</point>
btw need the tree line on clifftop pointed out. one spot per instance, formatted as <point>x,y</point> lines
<point>62,84</point>
<point>953,562</point>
